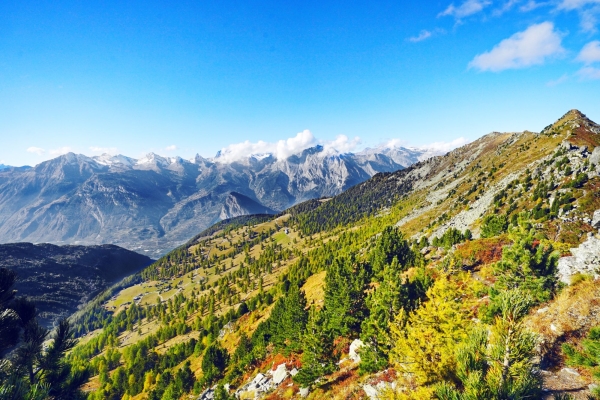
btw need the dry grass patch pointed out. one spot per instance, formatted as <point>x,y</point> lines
<point>313,288</point>
<point>569,316</point>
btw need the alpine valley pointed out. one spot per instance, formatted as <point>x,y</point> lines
<point>471,275</point>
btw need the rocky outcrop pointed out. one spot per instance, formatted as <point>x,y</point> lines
<point>264,383</point>
<point>585,260</point>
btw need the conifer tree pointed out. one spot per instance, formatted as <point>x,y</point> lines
<point>391,244</point>
<point>344,303</point>
<point>386,301</point>
<point>317,349</point>
<point>499,364</point>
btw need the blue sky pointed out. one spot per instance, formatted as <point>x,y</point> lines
<point>196,77</point>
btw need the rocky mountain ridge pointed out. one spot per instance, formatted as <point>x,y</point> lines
<point>155,203</point>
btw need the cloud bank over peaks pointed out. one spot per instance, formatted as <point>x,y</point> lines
<point>285,148</point>
<point>281,149</point>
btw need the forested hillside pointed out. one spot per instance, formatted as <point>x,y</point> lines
<point>468,276</point>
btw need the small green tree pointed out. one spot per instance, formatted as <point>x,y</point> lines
<point>493,225</point>
<point>386,301</point>
<point>499,364</point>
<point>214,362</point>
<point>589,355</point>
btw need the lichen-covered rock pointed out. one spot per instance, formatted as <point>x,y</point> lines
<point>585,260</point>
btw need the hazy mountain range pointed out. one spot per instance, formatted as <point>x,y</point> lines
<point>155,203</point>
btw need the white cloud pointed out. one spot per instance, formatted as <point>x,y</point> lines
<point>444,147</point>
<point>507,6</point>
<point>588,12</point>
<point>467,8</point>
<point>36,150</point>
<point>590,53</point>
<point>104,150</point>
<point>394,143</point>
<point>281,149</point>
<point>589,73</point>
<point>558,81</point>
<point>171,148</point>
<point>60,151</point>
<point>342,144</point>
<point>424,34</point>
<point>532,5</point>
<point>523,49</point>
<point>570,5</point>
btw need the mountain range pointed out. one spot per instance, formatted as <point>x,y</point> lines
<point>154,204</point>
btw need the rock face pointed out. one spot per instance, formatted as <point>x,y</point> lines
<point>585,260</point>
<point>596,219</point>
<point>61,278</point>
<point>595,156</point>
<point>157,203</point>
<point>237,204</point>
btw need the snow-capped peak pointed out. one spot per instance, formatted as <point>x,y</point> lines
<point>108,159</point>
<point>152,158</point>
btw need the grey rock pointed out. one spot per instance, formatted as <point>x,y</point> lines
<point>595,156</point>
<point>304,392</point>
<point>373,392</point>
<point>570,371</point>
<point>585,260</point>
<point>279,374</point>
<point>354,347</point>
<point>596,219</point>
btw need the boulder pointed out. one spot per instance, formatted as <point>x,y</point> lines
<point>595,157</point>
<point>585,260</point>
<point>279,374</point>
<point>596,219</point>
<point>353,352</point>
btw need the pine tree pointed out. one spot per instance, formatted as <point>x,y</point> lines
<point>391,244</point>
<point>383,303</point>
<point>214,362</point>
<point>499,364</point>
<point>344,304</point>
<point>317,349</point>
